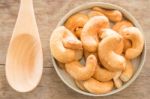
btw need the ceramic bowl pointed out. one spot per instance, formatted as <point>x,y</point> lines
<point>138,62</point>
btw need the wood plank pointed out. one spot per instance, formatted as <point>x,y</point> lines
<point>51,87</point>
<point>48,16</point>
<point>48,13</point>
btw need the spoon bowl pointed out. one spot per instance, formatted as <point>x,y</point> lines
<point>24,59</point>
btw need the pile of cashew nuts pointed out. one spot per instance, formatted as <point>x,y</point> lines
<point>96,49</point>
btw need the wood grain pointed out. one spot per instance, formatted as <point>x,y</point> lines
<point>48,13</point>
<point>51,87</point>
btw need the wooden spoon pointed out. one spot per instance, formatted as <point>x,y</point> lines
<point>24,62</point>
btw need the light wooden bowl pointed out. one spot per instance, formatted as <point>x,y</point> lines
<point>138,62</point>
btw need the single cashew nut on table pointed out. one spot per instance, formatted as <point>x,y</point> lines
<point>113,15</point>
<point>89,35</point>
<point>60,53</point>
<point>107,55</point>
<point>79,72</point>
<point>136,37</point>
<point>76,21</point>
<point>128,72</point>
<point>94,86</point>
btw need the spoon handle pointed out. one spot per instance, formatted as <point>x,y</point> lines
<point>27,3</point>
<point>26,22</point>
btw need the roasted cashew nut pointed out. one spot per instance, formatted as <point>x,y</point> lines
<point>80,85</point>
<point>78,31</point>
<point>102,74</point>
<point>71,42</point>
<point>94,86</point>
<point>127,44</point>
<point>109,32</point>
<point>89,35</point>
<point>58,50</point>
<point>86,54</point>
<point>128,72</point>
<point>136,37</point>
<point>76,21</point>
<point>119,26</point>
<point>117,82</point>
<point>79,72</point>
<point>94,13</point>
<point>107,55</point>
<point>113,15</point>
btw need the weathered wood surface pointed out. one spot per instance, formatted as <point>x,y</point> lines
<point>48,13</point>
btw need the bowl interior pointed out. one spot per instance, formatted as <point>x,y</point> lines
<point>138,62</point>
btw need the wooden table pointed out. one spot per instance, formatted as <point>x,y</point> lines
<point>48,13</point>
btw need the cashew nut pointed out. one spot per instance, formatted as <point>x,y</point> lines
<point>79,72</point>
<point>78,32</point>
<point>58,50</point>
<point>71,42</point>
<point>117,82</point>
<point>119,26</point>
<point>95,13</point>
<point>89,35</point>
<point>86,54</point>
<point>76,21</point>
<point>94,86</point>
<point>107,55</point>
<point>113,15</point>
<point>128,72</point>
<point>80,85</point>
<point>109,32</point>
<point>127,44</point>
<point>102,74</point>
<point>136,37</point>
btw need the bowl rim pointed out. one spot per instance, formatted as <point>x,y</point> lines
<point>133,20</point>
